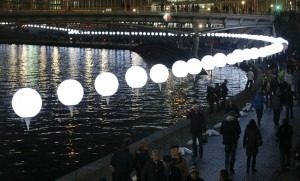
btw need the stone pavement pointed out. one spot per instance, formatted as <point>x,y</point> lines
<point>268,162</point>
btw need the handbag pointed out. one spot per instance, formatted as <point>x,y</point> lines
<point>259,141</point>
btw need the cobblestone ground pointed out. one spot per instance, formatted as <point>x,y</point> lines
<point>268,163</point>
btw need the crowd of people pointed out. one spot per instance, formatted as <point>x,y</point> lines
<point>280,88</point>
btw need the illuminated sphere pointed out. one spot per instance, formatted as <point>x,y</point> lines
<point>136,77</point>
<point>208,62</point>
<point>70,92</point>
<point>27,103</point>
<point>194,66</point>
<point>220,60</point>
<point>246,54</point>
<point>239,55</point>
<point>180,69</point>
<point>254,53</point>
<point>231,59</point>
<point>106,84</point>
<point>159,73</point>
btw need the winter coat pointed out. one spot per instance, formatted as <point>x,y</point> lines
<point>153,171</point>
<point>231,130</point>
<point>182,165</point>
<point>250,141</point>
<point>276,102</point>
<point>122,161</point>
<point>284,134</point>
<point>258,101</point>
<point>289,97</point>
<point>224,89</point>
<point>172,174</point>
<point>198,122</point>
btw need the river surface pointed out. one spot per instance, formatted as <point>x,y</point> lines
<point>57,143</point>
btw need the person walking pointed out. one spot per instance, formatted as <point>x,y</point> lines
<point>211,98</point>
<point>122,162</point>
<point>224,92</point>
<point>289,102</point>
<point>231,130</point>
<point>141,157</point>
<point>285,134</point>
<point>258,104</point>
<point>251,140</point>
<point>277,107</point>
<point>198,128</point>
<point>178,161</point>
<point>250,79</point>
<point>217,91</point>
<point>153,170</point>
<point>171,173</point>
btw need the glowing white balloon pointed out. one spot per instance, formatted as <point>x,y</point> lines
<point>208,62</point>
<point>239,55</point>
<point>136,77</point>
<point>27,103</point>
<point>159,74</point>
<point>194,66</point>
<point>106,84</point>
<point>254,53</point>
<point>179,69</point>
<point>220,60</point>
<point>70,93</point>
<point>231,59</point>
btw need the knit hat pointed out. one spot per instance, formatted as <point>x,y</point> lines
<point>194,168</point>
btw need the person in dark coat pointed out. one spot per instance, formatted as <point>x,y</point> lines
<point>277,107</point>
<point>258,104</point>
<point>224,175</point>
<point>153,169</point>
<point>171,173</point>
<point>289,102</point>
<point>231,130</point>
<point>211,98</point>
<point>231,107</point>
<point>198,127</point>
<point>250,142</point>
<point>122,162</point>
<point>141,156</point>
<point>224,92</point>
<point>285,134</point>
<point>178,161</point>
<point>217,91</point>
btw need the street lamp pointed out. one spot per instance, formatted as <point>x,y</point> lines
<point>243,4</point>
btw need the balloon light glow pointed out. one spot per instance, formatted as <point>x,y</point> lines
<point>159,74</point>
<point>208,62</point>
<point>220,60</point>
<point>179,69</point>
<point>27,103</point>
<point>70,93</point>
<point>106,84</point>
<point>194,66</point>
<point>136,77</point>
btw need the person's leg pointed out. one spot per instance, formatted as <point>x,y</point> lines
<point>288,158</point>
<point>292,111</point>
<point>211,107</point>
<point>282,158</point>
<point>248,163</point>
<point>194,139</point>
<point>200,145</point>
<point>247,84</point>
<point>287,111</point>
<point>227,155</point>
<point>253,163</point>
<point>232,157</point>
<point>250,86</point>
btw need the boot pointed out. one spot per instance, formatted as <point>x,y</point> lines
<point>253,164</point>
<point>231,168</point>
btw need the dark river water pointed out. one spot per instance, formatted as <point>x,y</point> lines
<point>57,143</point>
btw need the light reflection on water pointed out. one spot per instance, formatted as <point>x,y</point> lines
<point>58,143</point>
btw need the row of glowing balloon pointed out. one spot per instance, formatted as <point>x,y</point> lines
<point>27,102</point>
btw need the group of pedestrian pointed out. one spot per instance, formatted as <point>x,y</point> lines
<point>217,94</point>
<point>171,167</point>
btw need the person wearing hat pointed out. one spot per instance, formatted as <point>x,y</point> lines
<point>194,174</point>
<point>250,77</point>
<point>178,161</point>
<point>171,173</point>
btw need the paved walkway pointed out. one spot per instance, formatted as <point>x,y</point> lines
<point>268,163</point>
